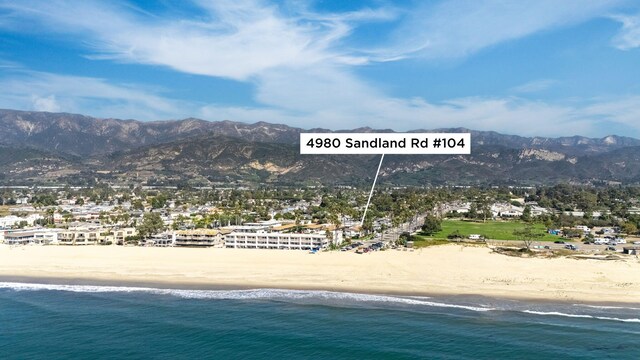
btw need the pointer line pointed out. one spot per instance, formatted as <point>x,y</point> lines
<point>371,193</point>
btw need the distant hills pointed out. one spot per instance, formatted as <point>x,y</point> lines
<point>41,147</point>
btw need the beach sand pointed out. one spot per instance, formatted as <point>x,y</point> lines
<point>440,270</point>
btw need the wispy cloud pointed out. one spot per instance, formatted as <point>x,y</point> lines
<point>301,64</point>
<point>511,115</point>
<point>629,36</point>
<point>232,39</point>
<point>622,111</point>
<point>31,90</point>
<point>98,97</point>
<point>535,86</point>
<point>459,28</point>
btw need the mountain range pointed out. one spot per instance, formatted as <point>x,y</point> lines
<point>42,147</point>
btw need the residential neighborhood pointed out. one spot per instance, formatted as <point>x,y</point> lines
<point>308,219</point>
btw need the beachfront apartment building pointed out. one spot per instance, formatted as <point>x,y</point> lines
<point>199,238</point>
<point>82,236</point>
<point>31,237</point>
<point>121,234</point>
<point>280,240</point>
<point>94,235</point>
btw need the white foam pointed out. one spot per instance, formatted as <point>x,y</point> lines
<point>556,313</point>
<point>607,307</point>
<point>288,295</point>
<point>253,294</point>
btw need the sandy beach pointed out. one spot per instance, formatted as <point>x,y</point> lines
<point>449,269</point>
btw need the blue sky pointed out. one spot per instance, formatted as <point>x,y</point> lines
<point>542,67</point>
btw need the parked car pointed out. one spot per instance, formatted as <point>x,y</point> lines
<point>610,248</point>
<point>570,247</point>
<point>558,242</point>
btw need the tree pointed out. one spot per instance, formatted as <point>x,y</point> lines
<point>629,228</point>
<point>151,224</point>
<point>572,233</point>
<point>334,219</point>
<point>473,211</point>
<point>67,216</point>
<point>178,222</point>
<point>50,215</point>
<point>455,235</point>
<point>484,207</point>
<point>526,214</point>
<point>367,226</point>
<point>137,205</point>
<point>528,235</point>
<point>432,225</point>
<point>20,225</point>
<point>159,202</point>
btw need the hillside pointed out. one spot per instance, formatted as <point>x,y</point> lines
<point>38,147</point>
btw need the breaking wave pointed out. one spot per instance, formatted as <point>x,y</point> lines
<point>252,294</point>
<point>607,307</point>
<point>557,313</point>
<point>311,296</point>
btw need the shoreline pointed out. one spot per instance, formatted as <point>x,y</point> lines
<point>196,286</point>
<point>445,271</point>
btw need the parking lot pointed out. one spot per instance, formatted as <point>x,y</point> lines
<point>562,244</point>
<point>362,247</point>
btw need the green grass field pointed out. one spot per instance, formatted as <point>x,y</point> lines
<point>494,230</point>
<point>420,241</point>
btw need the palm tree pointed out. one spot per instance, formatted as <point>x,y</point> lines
<point>334,219</point>
<point>50,212</point>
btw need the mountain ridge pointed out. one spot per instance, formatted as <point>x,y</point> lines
<point>63,147</point>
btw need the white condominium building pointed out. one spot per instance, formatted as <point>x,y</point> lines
<point>32,236</point>
<point>278,240</point>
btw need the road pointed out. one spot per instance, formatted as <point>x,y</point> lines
<point>410,226</point>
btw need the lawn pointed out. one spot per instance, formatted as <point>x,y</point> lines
<point>420,241</point>
<point>494,230</point>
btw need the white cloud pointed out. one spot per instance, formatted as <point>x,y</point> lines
<point>301,69</point>
<point>629,36</point>
<point>52,92</point>
<point>535,86</point>
<point>354,106</point>
<point>47,103</point>
<point>623,111</point>
<point>233,39</point>
<point>459,28</point>
<point>507,115</point>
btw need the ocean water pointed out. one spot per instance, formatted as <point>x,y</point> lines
<point>42,321</point>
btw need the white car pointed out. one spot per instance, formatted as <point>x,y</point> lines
<point>636,242</point>
<point>621,241</point>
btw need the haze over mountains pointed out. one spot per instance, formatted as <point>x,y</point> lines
<point>46,147</point>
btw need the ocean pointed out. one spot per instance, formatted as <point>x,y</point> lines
<point>44,321</point>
